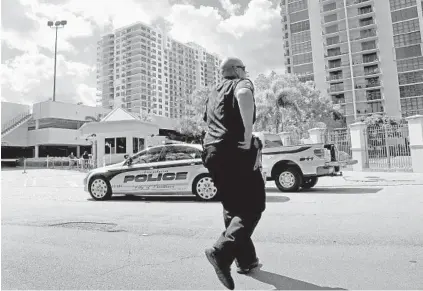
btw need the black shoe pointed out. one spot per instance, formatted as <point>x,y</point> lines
<point>246,270</point>
<point>223,272</point>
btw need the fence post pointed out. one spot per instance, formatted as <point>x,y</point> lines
<point>358,145</point>
<point>317,135</point>
<point>415,127</point>
<point>24,172</point>
<point>47,161</point>
<point>286,138</point>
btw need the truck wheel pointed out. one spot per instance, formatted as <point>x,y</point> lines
<point>309,182</point>
<point>289,179</point>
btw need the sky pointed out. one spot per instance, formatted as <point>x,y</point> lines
<point>248,29</point>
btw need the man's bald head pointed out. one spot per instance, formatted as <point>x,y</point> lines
<point>230,67</point>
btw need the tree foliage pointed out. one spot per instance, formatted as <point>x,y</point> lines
<point>284,103</point>
<point>192,124</point>
<point>379,119</point>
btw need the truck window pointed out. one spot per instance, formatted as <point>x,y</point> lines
<point>272,141</point>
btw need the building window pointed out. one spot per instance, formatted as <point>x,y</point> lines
<point>299,16</point>
<point>404,14</point>
<point>115,145</point>
<point>407,39</point>
<point>411,91</point>
<point>408,52</point>
<point>303,59</point>
<point>300,26</point>
<point>138,144</point>
<point>406,26</point>
<point>410,64</point>
<point>297,6</point>
<point>412,105</point>
<point>411,78</point>
<point>398,4</point>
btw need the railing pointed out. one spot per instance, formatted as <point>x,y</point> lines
<point>342,139</point>
<point>388,148</point>
<point>59,163</point>
<point>15,121</point>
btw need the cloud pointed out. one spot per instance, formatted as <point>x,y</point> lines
<point>254,35</point>
<point>229,7</point>
<point>30,76</point>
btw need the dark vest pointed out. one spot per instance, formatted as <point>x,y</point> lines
<point>223,116</point>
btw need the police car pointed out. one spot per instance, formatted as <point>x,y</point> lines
<point>160,170</point>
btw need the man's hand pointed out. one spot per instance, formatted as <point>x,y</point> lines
<point>244,145</point>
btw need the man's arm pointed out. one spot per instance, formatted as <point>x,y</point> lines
<point>246,106</point>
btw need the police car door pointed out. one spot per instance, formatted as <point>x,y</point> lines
<point>181,164</point>
<point>140,176</point>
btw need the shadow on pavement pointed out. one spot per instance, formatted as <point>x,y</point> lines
<point>331,190</point>
<point>285,283</point>
<point>178,199</point>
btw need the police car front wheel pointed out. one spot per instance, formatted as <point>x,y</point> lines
<point>100,189</point>
<point>203,187</point>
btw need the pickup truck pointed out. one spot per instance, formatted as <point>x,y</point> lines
<point>299,166</point>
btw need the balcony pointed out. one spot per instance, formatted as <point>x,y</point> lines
<point>328,8</point>
<point>358,48</point>
<point>370,61</point>
<point>368,34</point>
<point>360,12</point>
<point>359,23</point>
<point>335,55</point>
<point>338,77</point>
<point>357,3</point>
<point>339,31</point>
<point>337,66</point>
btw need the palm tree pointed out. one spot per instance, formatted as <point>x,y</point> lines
<point>94,119</point>
<point>273,103</point>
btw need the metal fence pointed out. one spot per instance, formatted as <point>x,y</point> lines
<point>388,148</point>
<point>342,139</point>
<point>59,163</point>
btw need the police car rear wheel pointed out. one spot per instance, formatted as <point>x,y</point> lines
<point>100,189</point>
<point>288,180</point>
<point>203,188</point>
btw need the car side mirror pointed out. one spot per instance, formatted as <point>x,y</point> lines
<point>126,156</point>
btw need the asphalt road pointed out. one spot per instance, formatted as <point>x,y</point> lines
<point>332,237</point>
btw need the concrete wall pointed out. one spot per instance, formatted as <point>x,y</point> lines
<point>318,50</point>
<point>114,127</point>
<point>50,109</point>
<point>387,58</point>
<point>17,137</point>
<point>55,136</point>
<point>10,110</point>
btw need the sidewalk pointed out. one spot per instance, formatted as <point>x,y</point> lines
<point>351,178</point>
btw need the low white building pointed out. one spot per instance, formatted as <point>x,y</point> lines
<point>57,129</point>
<point>117,134</point>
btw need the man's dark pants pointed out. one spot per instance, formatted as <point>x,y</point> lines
<point>241,191</point>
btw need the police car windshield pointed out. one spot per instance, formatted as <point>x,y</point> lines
<point>148,155</point>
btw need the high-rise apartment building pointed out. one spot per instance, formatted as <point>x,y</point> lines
<point>141,69</point>
<point>366,54</point>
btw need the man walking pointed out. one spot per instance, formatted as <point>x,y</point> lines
<point>230,155</point>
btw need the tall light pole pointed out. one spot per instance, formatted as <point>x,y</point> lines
<point>56,25</point>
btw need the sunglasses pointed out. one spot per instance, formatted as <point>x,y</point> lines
<point>240,67</point>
